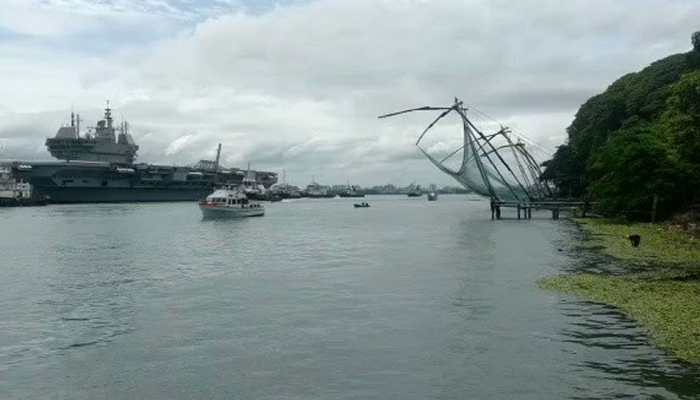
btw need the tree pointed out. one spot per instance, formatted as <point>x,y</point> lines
<point>632,167</point>
<point>681,123</point>
<point>638,138</point>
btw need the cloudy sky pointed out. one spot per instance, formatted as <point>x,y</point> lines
<point>297,85</point>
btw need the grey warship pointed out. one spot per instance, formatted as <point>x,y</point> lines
<point>99,167</point>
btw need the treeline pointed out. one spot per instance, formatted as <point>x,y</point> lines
<point>638,140</point>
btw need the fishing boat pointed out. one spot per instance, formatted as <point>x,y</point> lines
<point>361,205</point>
<point>414,191</point>
<point>433,193</point>
<point>230,202</point>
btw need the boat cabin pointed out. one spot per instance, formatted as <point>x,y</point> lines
<point>229,198</point>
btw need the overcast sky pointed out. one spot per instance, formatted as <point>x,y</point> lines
<point>297,85</point>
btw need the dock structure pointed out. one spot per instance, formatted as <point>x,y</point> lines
<point>524,210</point>
<point>496,165</point>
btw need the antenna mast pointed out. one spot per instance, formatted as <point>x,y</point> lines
<point>218,157</point>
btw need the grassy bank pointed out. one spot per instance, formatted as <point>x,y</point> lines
<point>663,292</point>
<point>662,245</point>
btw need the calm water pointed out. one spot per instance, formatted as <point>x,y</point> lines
<point>316,300</point>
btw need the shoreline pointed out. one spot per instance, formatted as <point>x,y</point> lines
<point>659,283</point>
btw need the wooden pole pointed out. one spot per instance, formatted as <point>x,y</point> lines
<point>654,204</point>
<point>555,213</point>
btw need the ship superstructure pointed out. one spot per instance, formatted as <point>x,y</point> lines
<point>103,143</point>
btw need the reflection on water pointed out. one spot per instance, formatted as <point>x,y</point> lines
<point>641,369</point>
<point>406,300</point>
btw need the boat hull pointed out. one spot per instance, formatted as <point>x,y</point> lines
<point>209,212</point>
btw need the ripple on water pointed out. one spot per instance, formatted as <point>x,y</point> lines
<point>407,299</point>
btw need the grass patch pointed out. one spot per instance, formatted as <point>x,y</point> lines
<point>664,298</point>
<point>661,244</point>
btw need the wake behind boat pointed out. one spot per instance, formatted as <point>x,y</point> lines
<point>230,202</point>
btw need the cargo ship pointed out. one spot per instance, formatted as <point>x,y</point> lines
<point>99,167</point>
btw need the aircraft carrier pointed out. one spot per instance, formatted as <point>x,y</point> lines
<point>99,167</point>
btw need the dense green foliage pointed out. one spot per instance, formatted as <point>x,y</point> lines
<point>639,138</point>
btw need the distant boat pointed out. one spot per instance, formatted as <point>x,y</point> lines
<point>361,205</point>
<point>351,191</point>
<point>253,190</point>
<point>230,203</point>
<point>285,191</point>
<point>314,190</point>
<point>414,191</point>
<point>432,196</point>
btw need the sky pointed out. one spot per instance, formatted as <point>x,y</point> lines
<point>297,85</point>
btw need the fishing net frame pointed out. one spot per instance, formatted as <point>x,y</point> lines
<point>493,165</point>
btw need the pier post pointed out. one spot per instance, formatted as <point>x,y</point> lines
<point>518,211</point>
<point>498,212</point>
<point>555,213</point>
<point>493,210</point>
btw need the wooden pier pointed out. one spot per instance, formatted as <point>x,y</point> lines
<point>524,209</point>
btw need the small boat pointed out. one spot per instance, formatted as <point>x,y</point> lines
<point>361,205</point>
<point>230,202</point>
<point>414,191</point>
<point>432,196</point>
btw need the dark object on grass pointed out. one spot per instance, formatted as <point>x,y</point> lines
<point>634,240</point>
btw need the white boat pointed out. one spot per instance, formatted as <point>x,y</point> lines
<point>230,203</point>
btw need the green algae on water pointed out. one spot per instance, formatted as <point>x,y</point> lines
<point>664,298</point>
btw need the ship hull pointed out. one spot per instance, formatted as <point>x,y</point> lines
<point>85,182</point>
<point>210,212</point>
<point>60,195</point>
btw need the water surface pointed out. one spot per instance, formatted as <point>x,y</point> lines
<point>408,299</point>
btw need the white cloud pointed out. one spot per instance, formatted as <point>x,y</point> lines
<point>177,145</point>
<point>299,86</point>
